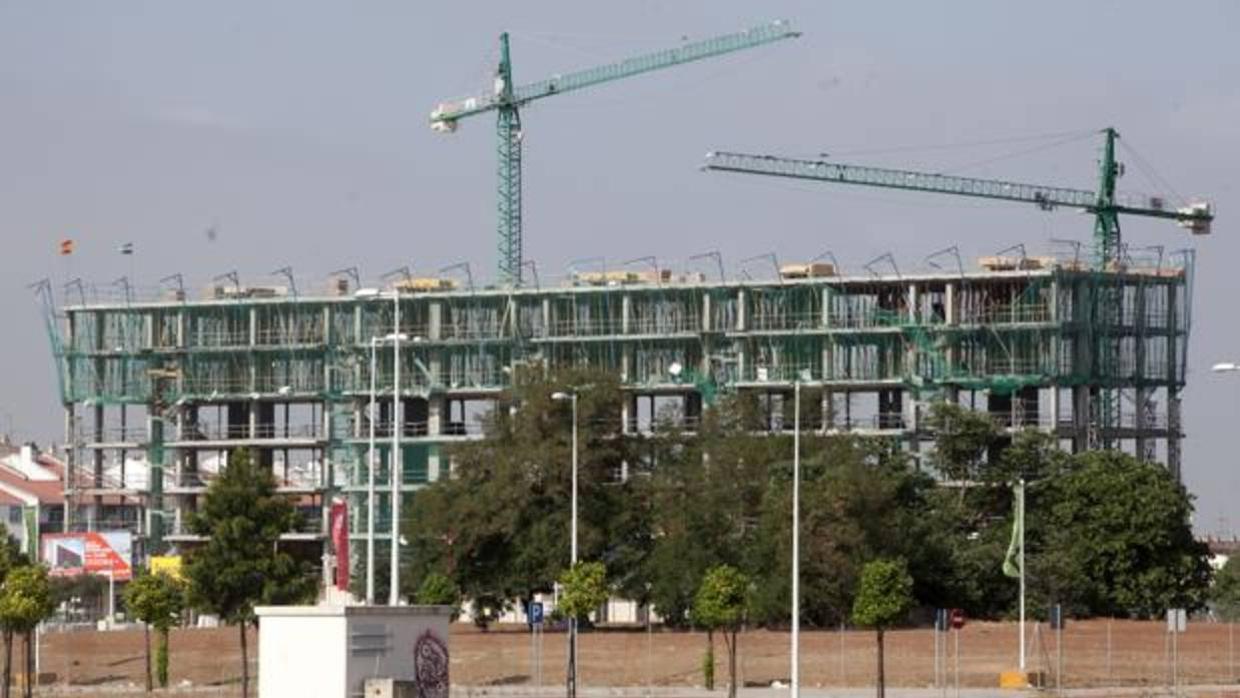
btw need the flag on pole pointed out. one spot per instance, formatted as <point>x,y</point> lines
<point>126,248</point>
<point>66,247</point>
<point>1012,562</point>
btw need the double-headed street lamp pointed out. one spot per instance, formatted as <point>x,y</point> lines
<point>394,584</point>
<point>572,622</point>
<point>370,465</point>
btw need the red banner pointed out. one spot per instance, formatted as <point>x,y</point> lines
<point>340,541</point>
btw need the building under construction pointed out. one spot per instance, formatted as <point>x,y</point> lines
<point>1095,357</point>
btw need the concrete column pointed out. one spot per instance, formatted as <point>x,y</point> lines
<point>912,303</point>
<point>433,470</point>
<point>1173,430</point>
<point>740,310</point>
<point>437,414</point>
<point>1081,409</point>
<point>706,312</point>
<point>1140,408</point>
<point>434,329</point>
<point>628,413</point>
<point>71,439</point>
<point>826,306</point>
<point>1053,407</point>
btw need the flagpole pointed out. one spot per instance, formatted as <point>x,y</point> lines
<point>1020,513</point>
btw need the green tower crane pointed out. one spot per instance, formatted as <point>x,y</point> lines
<point>507,101</point>
<point>1105,204</point>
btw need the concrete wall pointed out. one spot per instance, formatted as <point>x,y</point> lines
<point>331,650</point>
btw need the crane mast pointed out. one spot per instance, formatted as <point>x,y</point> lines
<point>507,100</point>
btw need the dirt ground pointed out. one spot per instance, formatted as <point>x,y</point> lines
<point>1139,655</point>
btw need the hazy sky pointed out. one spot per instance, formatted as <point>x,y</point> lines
<point>297,132</point>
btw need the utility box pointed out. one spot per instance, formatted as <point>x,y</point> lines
<point>332,651</point>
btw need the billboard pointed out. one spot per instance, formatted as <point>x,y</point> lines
<point>99,552</point>
<point>166,564</point>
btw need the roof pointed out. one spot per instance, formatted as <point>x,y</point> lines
<point>46,491</point>
<point>7,499</point>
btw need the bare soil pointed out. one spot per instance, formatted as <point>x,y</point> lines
<point>1136,654</point>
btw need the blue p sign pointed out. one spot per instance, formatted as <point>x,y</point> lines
<point>536,612</point>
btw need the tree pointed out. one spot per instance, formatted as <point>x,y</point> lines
<point>241,565</point>
<point>499,527</point>
<point>584,590</point>
<point>1226,591</point>
<point>25,600</point>
<point>963,440</point>
<point>1122,529</point>
<point>860,500</point>
<point>884,595</point>
<point>707,494</point>
<point>438,590</point>
<point>158,601</point>
<point>11,558</point>
<point>720,604</point>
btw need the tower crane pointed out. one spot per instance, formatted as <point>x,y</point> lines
<point>507,101</point>
<point>1104,203</point>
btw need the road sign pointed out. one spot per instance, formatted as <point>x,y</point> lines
<point>1177,620</point>
<point>942,622</point>
<point>957,618</point>
<point>1057,619</point>
<point>536,612</point>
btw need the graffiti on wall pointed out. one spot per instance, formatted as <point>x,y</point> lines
<point>430,663</point>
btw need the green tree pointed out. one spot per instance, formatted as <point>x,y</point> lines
<point>438,590</point>
<point>499,527</point>
<point>1121,528</point>
<point>25,601</point>
<point>241,564</point>
<point>860,499</point>
<point>1225,594</point>
<point>720,605</point>
<point>11,558</point>
<point>963,440</point>
<point>584,589</point>
<point>707,493</point>
<point>884,596</point>
<point>158,601</point>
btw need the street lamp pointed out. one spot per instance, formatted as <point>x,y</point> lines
<point>796,540</point>
<point>374,293</point>
<point>1225,367</point>
<point>572,622</point>
<point>370,468</point>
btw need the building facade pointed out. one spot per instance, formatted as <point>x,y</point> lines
<point>1095,358</point>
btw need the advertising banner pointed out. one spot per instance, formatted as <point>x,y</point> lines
<point>340,541</point>
<point>100,552</point>
<point>166,564</point>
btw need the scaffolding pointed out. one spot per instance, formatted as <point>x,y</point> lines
<point>1093,357</point>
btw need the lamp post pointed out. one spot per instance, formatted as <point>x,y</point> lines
<point>370,467</point>
<point>395,337</point>
<point>796,540</point>
<point>1225,367</point>
<point>397,427</point>
<point>572,622</point>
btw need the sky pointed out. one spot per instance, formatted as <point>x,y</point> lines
<point>247,137</point>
